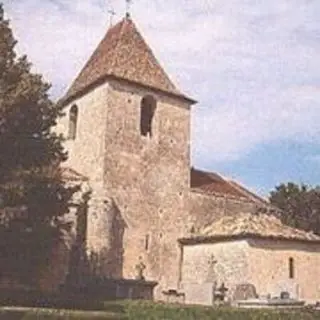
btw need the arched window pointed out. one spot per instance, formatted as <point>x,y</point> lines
<point>291,268</point>
<point>147,110</point>
<point>73,119</point>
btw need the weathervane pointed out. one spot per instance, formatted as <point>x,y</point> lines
<point>128,7</point>
<point>112,14</point>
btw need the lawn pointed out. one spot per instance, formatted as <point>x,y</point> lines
<point>137,310</point>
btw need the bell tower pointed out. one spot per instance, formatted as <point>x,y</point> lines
<point>129,133</point>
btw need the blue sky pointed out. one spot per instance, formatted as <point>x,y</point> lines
<point>253,66</point>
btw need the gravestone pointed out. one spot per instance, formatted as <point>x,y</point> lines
<point>289,285</point>
<point>245,291</point>
<point>284,295</point>
<point>199,293</point>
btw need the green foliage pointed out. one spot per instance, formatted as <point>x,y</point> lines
<point>300,205</point>
<point>30,155</point>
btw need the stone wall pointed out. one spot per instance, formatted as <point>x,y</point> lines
<point>86,156</point>
<point>230,265</point>
<point>263,263</point>
<point>269,268</point>
<point>148,178</point>
<point>86,152</point>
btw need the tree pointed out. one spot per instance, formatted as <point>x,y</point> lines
<point>33,195</point>
<point>300,205</point>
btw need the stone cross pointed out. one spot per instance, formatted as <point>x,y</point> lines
<point>212,261</point>
<point>223,289</point>
<point>140,266</point>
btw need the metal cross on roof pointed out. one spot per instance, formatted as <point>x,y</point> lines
<point>112,14</point>
<point>128,7</point>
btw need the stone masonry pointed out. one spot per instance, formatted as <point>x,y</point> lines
<point>261,262</point>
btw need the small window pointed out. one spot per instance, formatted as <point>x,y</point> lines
<point>73,119</point>
<point>291,268</point>
<point>147,110</point>
<point>146,243</point>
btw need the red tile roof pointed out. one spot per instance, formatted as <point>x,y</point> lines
<point>123,54</point>
<point>212,183</point>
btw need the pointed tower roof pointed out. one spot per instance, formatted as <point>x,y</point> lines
<point>123,54</point>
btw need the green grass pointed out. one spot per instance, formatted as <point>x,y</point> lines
<point>139,310</point>
<point>146,310</point>
<point>16,313</point>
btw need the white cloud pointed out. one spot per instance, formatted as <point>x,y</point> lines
<point>253,65</point>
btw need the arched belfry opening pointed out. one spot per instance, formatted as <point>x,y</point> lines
<point>147,111</point>
<point>73,120</point>
<point>291,268</point>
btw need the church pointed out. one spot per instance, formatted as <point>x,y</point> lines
<point>127,129</point>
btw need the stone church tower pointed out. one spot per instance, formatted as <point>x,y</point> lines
<point>128,130</point>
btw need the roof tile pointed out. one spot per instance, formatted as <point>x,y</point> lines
<point>124,54</point>
<point>212,183</point>
<point>248,224</point>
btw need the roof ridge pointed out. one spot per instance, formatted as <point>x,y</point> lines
<point>212,182</point>
<point>160,66</point>
<point>247,191</point>
<point>88,62</point>
<point>156,60</point>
